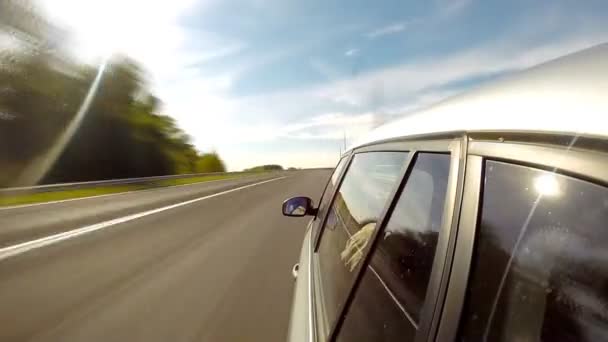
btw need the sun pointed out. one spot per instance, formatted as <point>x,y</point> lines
<point>99,28</point>
<point>93,26</point>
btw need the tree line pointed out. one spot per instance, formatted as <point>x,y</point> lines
<point>269,167</point>
<point>122,133</point>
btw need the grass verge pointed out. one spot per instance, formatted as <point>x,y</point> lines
<point>40,197</point>
<point>192,180</point>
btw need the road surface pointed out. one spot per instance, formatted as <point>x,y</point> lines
<point>172,264</point>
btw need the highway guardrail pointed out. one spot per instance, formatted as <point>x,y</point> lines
<point>112,182</point>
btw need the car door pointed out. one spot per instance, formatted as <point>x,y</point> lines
<point>301,322</point>
<point>356,216</point>
<point>531,262</point>
<point>349,224</point>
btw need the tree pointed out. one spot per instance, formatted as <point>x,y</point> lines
<point>269,167</point>
<point>210,162</point>
<point>40,88</point>
<point>122,134</point>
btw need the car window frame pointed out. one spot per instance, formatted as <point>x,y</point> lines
<point>320,330</point>
<point>319,221</point>
<point>317,228</point>
<point>568,160</point>
<point>453,145</point>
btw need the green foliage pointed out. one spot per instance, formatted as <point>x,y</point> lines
<point>270,167</point>
<point>122,134</point>
<point>210,162</point>
<point>67,194</point>
<point>102,190</point>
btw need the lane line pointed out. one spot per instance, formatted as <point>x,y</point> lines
<point>19,206</point>
<point>20,248</point>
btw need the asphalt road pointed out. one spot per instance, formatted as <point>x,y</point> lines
<point>216,268</point>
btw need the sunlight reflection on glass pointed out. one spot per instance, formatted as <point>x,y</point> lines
<point>546,185</point>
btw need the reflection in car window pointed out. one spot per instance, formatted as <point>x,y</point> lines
<point>351,220</point>
<point>387,304</point>
<point>540,263</point>
<point>329,188</point>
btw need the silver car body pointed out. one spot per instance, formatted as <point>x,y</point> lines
<point>566,95</point>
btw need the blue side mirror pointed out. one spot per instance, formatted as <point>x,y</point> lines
<point>298,206</point>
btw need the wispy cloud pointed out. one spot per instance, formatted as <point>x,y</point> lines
<point>330,126</point>
<point>296,157</point>
<point>445,9</point>
<point>204,105</point>
<point>208,53</point>
<point>404,88</point>
<point>351,53</point>
<point>388,29</point>
<point>394,83</point>
<point>328,71</point>
<point>449,8</point>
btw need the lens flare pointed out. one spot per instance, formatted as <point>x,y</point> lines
<point>546,185</point>
<point>39,167</point>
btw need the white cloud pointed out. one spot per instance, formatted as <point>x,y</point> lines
<point>201,101</point>
<point>388,29</point>
<point>331,126</point>
<point>210,51</point>
<point>395,83</point>
<point>351,53</point>
<point>445,9</point>
<point>404,88</point>
<point>448,8</point>
<point>257,58</point>
<point>241,159</point>
<point>356,105</point>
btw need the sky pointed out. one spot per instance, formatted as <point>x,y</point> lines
<point>286,82</point>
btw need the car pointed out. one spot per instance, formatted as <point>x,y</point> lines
<point>481,218</point>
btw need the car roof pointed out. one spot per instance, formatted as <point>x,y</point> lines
<point>566,95</point>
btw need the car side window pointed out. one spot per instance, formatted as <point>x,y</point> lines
<point>387,304</point>
<point>540,264</point>
<point>352,217</point>
<point>329,188</point>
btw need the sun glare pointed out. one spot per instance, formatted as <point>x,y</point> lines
<point>547,185</point>
<point>93,24</point>
<point>103,27</point>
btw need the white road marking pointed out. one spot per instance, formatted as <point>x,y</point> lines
<point>19,206</point>
<point>7,252</point>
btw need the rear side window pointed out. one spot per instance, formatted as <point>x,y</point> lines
<point>540,267</point>
<point>388,302</point>
<point>351,220</point>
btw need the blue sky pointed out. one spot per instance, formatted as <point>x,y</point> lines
<point>269,81</point>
